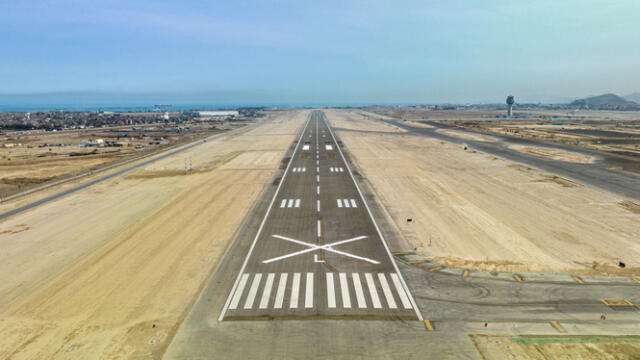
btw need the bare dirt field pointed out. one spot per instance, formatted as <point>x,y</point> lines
<point>32,158</point>
<point>467,136</point>
<point>567,347</point>
<point>476,210</point>
<point>109,272</point>
<point>555,154</point>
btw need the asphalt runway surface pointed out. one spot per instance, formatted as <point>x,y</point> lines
<point>606,172</point>
<point>318,253</point>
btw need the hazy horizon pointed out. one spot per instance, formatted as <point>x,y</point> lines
<point>360,52</point>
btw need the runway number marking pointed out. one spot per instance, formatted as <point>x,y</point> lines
<point>314,247</point>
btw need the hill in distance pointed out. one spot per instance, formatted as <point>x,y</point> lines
<point>605,101</point>
<point>635,97</point>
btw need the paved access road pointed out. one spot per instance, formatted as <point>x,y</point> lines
<point>318,252</point>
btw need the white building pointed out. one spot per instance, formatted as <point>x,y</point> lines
<point>218,114</point>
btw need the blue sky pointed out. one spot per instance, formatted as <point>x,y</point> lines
<point>321,51</point>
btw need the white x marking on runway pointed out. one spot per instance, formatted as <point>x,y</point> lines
<point>314,247</point>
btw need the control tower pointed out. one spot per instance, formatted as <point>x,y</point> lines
<point>510,102</point>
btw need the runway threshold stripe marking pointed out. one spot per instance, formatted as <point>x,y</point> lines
<point>331,292</point>
<point>290,203</point>
<point>283,203</point>
<point>386,290</point>
<point>362,303</point>
<point>375,300</point>
<point>239,290</point>
<point>339,203</point>
<point>353,203</point>
<point>280,293</point>
<point>403,296</point>
<point>266,293</point>
<point>252,291</point>
<point>304,169</point>
<point>344,291</point>
<point>295,291</point>
<point>308,298</point>
<point>346,203</point>
<point>297,203</point>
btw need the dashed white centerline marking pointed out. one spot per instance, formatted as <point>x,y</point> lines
<point>362,303</point>
<point>375,300</point>
<point>319,228</point>
<point>317,169</point>
<point>386,290</point>
<point>331,292</point>
<point>317,178</point>
<point>266,293</point>
<point>403,296</point>
<point>252,291</point>
<point>318,190</point>
<point>280,293</point>
<point>344,289</point>
<point>308,298</point>
<point>239,290</point>
<point>295,290</point>
<point>318,205</point>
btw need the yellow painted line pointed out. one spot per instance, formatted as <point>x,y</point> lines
<point>465,273</point>
<point>428,325</point>
<point>416,262</point>
<point>616,302</point>
<point>436,268</point>
<point>636,280</point>
<point>558,327</point>
<point>518,278</point>
<point>578,279</point>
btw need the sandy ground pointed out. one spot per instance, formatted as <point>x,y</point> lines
<point>533,347</point>
<point>467,136</point>
<point>109,272</point>
<point>555,154</point>
<point>475,210</point>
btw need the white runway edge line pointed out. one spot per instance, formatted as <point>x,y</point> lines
<point>384,243</point>
<point>264,221</point>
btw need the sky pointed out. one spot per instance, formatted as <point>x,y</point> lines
<point>321,52</point>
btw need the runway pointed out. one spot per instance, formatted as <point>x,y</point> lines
<point>318,252</point>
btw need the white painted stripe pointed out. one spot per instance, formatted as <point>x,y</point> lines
<point>318,189</point>
<point>353,203</point>
<point>362,303</point>
<point>339,203</point>
<point>239,290</point>
<point>346,203</point>
<point>304,169</point>
<point>283,203</point>
<point>318,205</point>
<point>317,162</point>
<point>297,203</point>
<point>403,296</point>
<point>317,169</point>
<point>305,147</point>
<point>280,293</point>
<point>319,228</point>
<point>341,170</point>
<point>372,291</point>
<point>295,169</point>
<point>317,178</point>
<point>386,290</point>
<point>290,203</point>
<point>266,293</point>
<point>252,291</point>
<point>329,147</point>
<point>308,297</point>
<point>331,291</point>
<point>331,169</point>
<point>295,291</point>
<point>344,289</point>
<point>375,224</point>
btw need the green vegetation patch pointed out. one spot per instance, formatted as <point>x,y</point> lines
<point>572,339</point>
